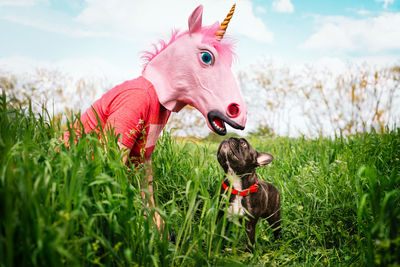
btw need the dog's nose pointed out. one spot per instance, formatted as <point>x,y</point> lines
<point>233,110</point>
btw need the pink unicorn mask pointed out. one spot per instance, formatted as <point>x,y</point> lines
<point>194,68</point>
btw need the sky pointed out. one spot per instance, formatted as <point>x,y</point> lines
<point>107,37</point>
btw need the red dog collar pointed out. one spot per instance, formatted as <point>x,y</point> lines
<point>251,189</point>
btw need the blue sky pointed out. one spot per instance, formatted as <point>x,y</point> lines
<point>107,36</point>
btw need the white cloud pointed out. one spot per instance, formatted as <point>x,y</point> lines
<point>54,27</point>
<point>144,21</point>
<point>245,22</point>
<point>21,3</point>
<point>363,12</point>
<point>260,10</point>
<point>283,6</point>
<point>386,2</point>
<point>150,19</point>
<point>368,35</point>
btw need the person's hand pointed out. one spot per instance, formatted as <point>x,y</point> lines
<point>158,221</point>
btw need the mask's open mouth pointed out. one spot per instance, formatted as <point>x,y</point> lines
<point>217,121</point>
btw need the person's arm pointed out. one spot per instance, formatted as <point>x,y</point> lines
<point>148,182</point>
<point>126,150</point>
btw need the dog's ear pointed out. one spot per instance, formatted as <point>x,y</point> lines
<point>264,158</point>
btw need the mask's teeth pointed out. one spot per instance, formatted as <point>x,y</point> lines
<point>216,126</point>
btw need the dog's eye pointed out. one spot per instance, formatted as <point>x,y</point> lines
<point>244,144</point>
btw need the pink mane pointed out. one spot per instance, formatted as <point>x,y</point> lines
<point>224,47</point>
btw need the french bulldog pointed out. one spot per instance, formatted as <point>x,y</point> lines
<point>250,196</point>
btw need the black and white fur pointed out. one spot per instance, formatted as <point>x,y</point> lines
<point>239,161</point>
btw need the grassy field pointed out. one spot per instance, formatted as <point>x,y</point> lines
<point>81,206</point>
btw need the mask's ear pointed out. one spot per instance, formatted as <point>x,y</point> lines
<point>264,158</point>
<point>195,19</point>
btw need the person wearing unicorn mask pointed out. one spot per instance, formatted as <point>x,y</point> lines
<point>194,68</point>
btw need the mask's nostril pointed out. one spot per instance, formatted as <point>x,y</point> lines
<point>233,110</point>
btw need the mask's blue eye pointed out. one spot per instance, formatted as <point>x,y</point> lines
<point>206,58</point>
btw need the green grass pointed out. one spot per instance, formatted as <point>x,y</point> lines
<point>82,206</point>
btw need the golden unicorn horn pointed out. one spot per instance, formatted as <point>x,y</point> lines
<point>222,29</point>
